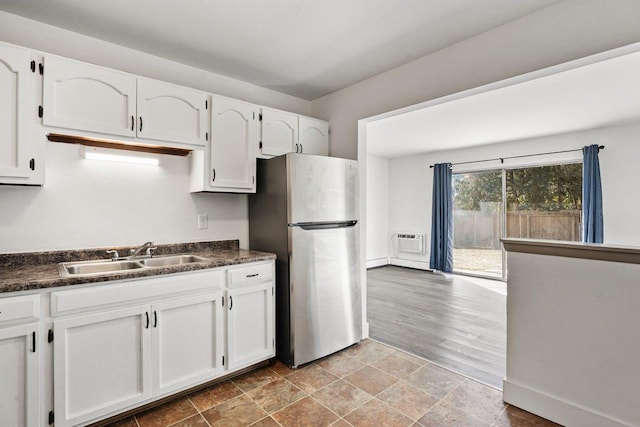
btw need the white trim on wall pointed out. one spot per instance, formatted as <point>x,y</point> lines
<point>401,262</point>
<point>378,262</point>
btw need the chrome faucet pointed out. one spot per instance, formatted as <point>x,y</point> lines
<point>147,247</point>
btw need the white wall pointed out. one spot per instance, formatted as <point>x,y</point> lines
<point>94,204</point>
<point>89,203</point>
<point>411,179</point>
<point>573,342</point>
<point>562,32</point>
<point>378,239</point>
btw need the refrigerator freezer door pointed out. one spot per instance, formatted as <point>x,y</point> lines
<point>321,189</point>
<point>326,311</point>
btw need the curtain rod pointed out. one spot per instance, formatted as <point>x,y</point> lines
<point>502,159</point>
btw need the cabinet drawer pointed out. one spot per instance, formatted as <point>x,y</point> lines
<point>250,274</point>
<point>22,308</point>
<point>130,291</point>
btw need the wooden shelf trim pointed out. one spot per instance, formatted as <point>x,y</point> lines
<point>117,145</point>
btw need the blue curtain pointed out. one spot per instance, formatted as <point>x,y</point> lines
<point>592,224</point>
<point>442,219</point>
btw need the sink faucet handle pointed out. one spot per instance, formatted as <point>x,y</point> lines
<point>114,254</point>
<point>149,249</point>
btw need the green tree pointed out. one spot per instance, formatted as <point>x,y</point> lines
<point>545,188</point>
<point>470,189</point>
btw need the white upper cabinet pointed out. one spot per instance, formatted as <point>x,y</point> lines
<point>284,132</point>
<point>313,136</point>
<point>87,97</point>
<point>100,100</point>
<point>229,161</point>
<point>279,132</point>
<point>19,155</point>
<point>171,113</point>
<point>234,135</point>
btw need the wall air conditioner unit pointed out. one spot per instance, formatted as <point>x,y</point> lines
<point>410,243</point>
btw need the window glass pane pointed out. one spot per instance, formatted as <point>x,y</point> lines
<point>545,202</point>
<point>477,223</point>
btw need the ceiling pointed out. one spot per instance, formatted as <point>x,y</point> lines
<point>604,93</point>
<point>305,48</point>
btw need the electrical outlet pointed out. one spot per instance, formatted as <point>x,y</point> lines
<point>203,221</point>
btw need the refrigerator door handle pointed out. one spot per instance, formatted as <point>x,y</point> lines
<point>324,225</point>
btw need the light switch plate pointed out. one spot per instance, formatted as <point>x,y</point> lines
<point>203,221</point>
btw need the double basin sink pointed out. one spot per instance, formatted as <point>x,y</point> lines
<point>100,267</point>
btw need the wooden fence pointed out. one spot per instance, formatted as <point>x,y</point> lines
<point>482,229</point>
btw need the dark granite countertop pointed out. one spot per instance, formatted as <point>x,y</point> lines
<point>37,270</point>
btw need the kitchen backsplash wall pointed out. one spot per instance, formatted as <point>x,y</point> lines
<point>88,203</point>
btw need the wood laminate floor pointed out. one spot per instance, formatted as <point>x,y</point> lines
<point>447,319</point>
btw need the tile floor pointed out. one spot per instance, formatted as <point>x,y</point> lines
<point>369,384</point>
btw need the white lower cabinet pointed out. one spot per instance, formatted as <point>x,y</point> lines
<point>101,364</point>
<point>117,346</point>
<point>250,324</point>
<point>187,340</point>
<point>19,375</point>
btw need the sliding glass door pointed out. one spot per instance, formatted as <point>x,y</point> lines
<point>541,203</point>
<point>477,223</point>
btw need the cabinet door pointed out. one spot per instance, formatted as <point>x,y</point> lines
<point>88,97</point>
<point>313,136</point>
<point>233,144</point>
<point>279,132</point>
<point>187,336</point>
<point>250,324</point>
<point>101,363</point>
<point>19,373</point>
<point>15,93</point>
<point>171,113</point>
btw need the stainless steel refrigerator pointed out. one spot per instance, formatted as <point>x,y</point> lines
<point>304,211</point>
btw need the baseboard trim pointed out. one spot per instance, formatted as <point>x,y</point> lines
<point>419,265</point>
<point>377,262</point>
<point>365,330</point>
<point>554,408</point>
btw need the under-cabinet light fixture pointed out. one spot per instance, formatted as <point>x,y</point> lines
<point>92,153</point>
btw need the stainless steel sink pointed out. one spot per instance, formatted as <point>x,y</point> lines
<point>100,267</point>
<point>167,260</point>
<point>97,267</point>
